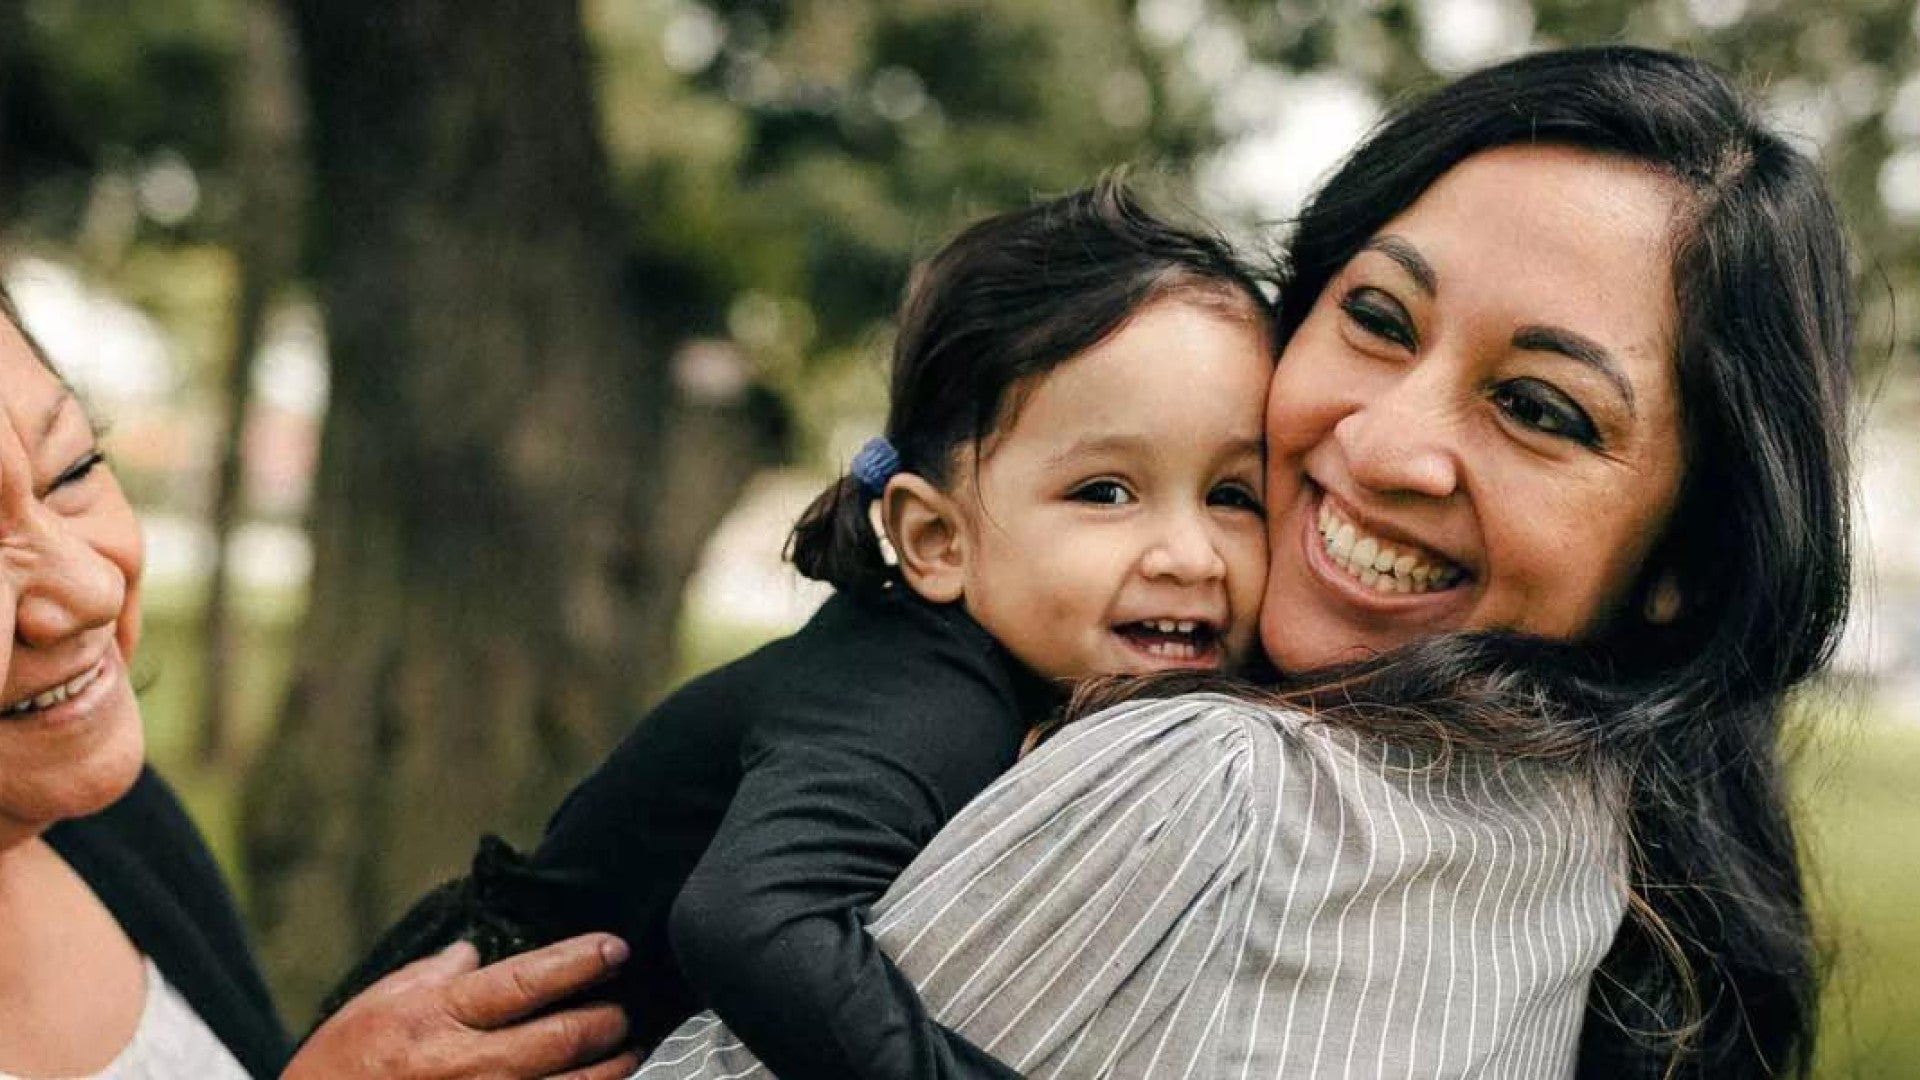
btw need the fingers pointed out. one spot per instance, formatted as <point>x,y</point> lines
<point>616,1068</point>
<point>501,993</point>
<point>554,1045</point>
<point>451,962</point>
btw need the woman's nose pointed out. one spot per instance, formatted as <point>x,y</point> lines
<point>63,587</point>
<point>1184,552</point>
<point>1402,439</point>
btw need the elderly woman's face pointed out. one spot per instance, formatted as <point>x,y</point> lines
<point>70,739</point>
<point>1477,425</point>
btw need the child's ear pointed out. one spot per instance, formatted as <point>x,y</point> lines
<point>923,524</point>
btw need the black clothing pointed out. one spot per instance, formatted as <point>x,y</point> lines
<point>737,837</point>
<point>148,864</point>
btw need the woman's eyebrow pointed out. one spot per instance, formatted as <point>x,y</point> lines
<point>1410,260</point>
<point>1574,346</point>
<point>54,412</point>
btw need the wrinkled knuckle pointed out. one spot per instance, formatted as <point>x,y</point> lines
<point>526,987</point>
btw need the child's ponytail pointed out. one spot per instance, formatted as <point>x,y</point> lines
<point>834,542</point>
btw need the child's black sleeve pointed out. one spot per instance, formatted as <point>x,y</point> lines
<point>771,926</point>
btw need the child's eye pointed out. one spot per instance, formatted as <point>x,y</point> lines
<point>1104,492</point>
<point>1536,405</point>
<point>1379,315</point>
<point>1236,496</point>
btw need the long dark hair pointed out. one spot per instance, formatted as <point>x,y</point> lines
<point>1008,300</point>
<point>1716,974</point>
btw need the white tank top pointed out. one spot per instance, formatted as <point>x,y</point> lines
<point>171,1042</point>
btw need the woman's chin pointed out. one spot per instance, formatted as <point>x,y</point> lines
<point>58,768</point>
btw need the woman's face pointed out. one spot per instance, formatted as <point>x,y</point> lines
<point>70,739</point>
<point>1477,425</point>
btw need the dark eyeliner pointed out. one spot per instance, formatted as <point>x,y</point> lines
<point>1378,313</point>
<point>1570,421</point>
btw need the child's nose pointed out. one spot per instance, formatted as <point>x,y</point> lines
<point>1184,552</point>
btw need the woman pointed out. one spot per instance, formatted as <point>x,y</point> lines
<point>1569,336</point>
<point>120,951</point>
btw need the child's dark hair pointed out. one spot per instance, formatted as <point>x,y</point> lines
<point>1006,302</point>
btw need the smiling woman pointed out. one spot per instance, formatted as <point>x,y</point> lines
<point>1483,394</point>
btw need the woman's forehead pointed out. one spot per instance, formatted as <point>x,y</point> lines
<point>32,397</point>
<point>1547,236</point>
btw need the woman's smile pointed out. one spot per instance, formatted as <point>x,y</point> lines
<point>1418,588</point>
<point>1387,566</point>
<point>71,699</point>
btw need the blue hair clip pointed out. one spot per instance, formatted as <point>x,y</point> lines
<point>874,465</point>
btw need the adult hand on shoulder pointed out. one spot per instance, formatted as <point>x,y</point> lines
<point>446,1017</point>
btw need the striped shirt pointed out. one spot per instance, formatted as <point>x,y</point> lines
<point>1206,887</point>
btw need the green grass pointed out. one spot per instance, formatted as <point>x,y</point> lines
<point>1859,794</point>
<point>1858,789</point>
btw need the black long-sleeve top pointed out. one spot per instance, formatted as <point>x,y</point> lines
<point>738,836</point>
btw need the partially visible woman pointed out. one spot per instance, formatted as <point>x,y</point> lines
<point>121,954</point>
<point>1557,514</point>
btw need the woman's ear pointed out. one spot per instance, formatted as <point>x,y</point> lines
<point>923,525</point>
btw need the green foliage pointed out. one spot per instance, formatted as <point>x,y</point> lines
<point>784,181</point>
<point>113,84</point>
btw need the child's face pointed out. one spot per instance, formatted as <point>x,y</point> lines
<point>1116,526</point>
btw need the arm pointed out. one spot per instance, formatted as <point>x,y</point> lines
<point>1047,918</point>
<point>771,929</point>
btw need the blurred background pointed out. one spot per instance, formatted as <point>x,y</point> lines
<point>468,362</point>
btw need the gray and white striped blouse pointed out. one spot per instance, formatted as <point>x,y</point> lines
<point>1204,887</point>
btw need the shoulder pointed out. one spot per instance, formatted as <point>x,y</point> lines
<point>861,663</point>
<point>146,861</point>
<point>1290,774</point>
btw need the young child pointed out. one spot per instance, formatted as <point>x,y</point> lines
<point>1070,485</point>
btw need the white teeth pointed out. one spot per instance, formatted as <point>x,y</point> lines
<point>1172,650</point>
<point>1378,566</point>
<point>1342,545</point>
<point>1186,626</point>
<point>1364,551</point>
<point>49,698</point>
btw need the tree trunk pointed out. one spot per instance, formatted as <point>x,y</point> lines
<point>267,245</point>
<point>493,591</point>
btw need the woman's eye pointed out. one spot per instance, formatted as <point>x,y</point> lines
<point>1379,315</point>
<point>77,471</point>
<point>1536,405</point>
<point>1235,497</point>
<point>1104,492</point>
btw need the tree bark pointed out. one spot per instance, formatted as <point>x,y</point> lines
<point>493,589</point>
<point>267,246</point>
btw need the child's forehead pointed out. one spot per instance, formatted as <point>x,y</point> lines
<point>1179,371</point>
